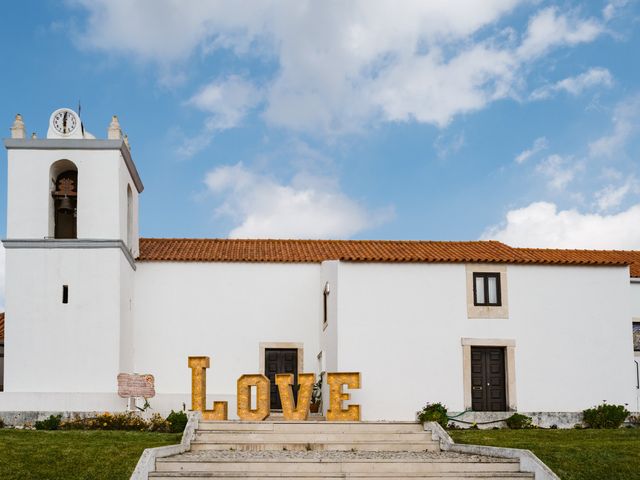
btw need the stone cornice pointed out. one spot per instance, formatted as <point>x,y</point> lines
<point>71,243</point>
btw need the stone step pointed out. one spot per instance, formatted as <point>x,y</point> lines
<point>311,427</point>
<point>309,437</point>
<point>314,476</point>
<point>323,467</point>
<point>380,446</point>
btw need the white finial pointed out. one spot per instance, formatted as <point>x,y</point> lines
<point>126,141</point>
<point>34,136</point>
<point>18,130</point>
<point>114,132</point>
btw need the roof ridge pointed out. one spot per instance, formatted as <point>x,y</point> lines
<point>547,249</point>
<point>318,240</point>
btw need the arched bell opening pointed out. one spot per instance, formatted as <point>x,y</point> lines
<point>64,177</point>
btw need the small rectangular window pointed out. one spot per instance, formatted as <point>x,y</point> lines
<point>65,294</point>
<point>636,336</point>
<point>486,289</point>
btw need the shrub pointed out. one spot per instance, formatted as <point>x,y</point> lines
<point>159,424</point>
<point>1,423</point>
<point>434,412</point>
<point>517,421</point>
<point>177,421</point>
<point>51,423</point>
<point>108,421</point>
<point>605,416</point>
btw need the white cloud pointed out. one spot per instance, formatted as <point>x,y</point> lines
<point>446,145</point>
<point>539,144</point>
<point>541,224</point>
<point>576,85</point>
<point>626,120</point>
<point>611,196</point>
<point>549,28</point>
<point>612,9</point>
<point>340,66</point>
<point>560,171</point>
<point>227,102</point>
<point>308,207</point>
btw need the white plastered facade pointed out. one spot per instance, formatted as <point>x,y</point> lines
<point>403,326</point>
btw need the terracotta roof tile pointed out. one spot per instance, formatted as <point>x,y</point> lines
<point>259,250</point>
<point>313,251</point>
<point>586,257</point>
<point>1,326</point>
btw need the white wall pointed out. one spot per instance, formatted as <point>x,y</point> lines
<point>224,311</point>
<point>635,314</point>
<point>401,326</point>
<point>56,347</point>
<point>102,179</point>
<point>329,332</point>
<point>126,181</point>
<point>573,324</point>
<point>635,299</point>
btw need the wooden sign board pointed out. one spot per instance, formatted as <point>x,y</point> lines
<point>134,385</point>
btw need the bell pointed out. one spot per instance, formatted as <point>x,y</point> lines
<point>65,205</point>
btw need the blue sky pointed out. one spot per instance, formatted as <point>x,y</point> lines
<point>366,119</point>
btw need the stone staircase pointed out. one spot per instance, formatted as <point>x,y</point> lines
<point>324,450</point>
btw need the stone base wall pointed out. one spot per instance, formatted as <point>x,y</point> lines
<point>487,420</point>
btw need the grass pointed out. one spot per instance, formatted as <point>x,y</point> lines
<point>77,455</point>
<point>571,454</point>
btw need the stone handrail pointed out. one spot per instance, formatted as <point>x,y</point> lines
<point>147,461</point>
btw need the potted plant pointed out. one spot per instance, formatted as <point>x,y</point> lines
<point>316,396</point>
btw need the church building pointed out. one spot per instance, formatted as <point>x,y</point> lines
<point>477,325</point>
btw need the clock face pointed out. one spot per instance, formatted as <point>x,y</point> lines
<point>65,122</point>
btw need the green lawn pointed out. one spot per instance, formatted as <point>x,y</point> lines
<point>77,455</point>
<point>571,454</point>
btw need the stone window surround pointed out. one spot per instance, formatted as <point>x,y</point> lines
<point>510,367</point>
<point>297,345</point>
<point>481,311</point>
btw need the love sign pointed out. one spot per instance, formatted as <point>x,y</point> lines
<point>291,410</point>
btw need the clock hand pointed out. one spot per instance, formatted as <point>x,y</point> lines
<point>64,122</point>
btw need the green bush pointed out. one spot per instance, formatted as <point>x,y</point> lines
<point>434,412</point>
<point>517,421</point>
<point>1,423</point>
<point>51,423</point>
<point>177,421</point>
<point>605,416</point>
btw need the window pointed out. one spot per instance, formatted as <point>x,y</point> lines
<point>636,336</point>
<point>486,289</point>
<point>325,294</point>
<point>65,294</point>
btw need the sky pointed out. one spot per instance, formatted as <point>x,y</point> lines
<point>444,120</point>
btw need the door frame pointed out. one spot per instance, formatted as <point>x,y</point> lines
<point>290,345</point>
<point>509,346</point>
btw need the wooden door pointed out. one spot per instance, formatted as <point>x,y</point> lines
<point>488,383</point>
<point>280,360</point>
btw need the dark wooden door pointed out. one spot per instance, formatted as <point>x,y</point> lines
<point>488,384</point>
<point>280,360</point>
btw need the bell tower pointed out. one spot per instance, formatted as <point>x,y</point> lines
<point>72,240</point>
